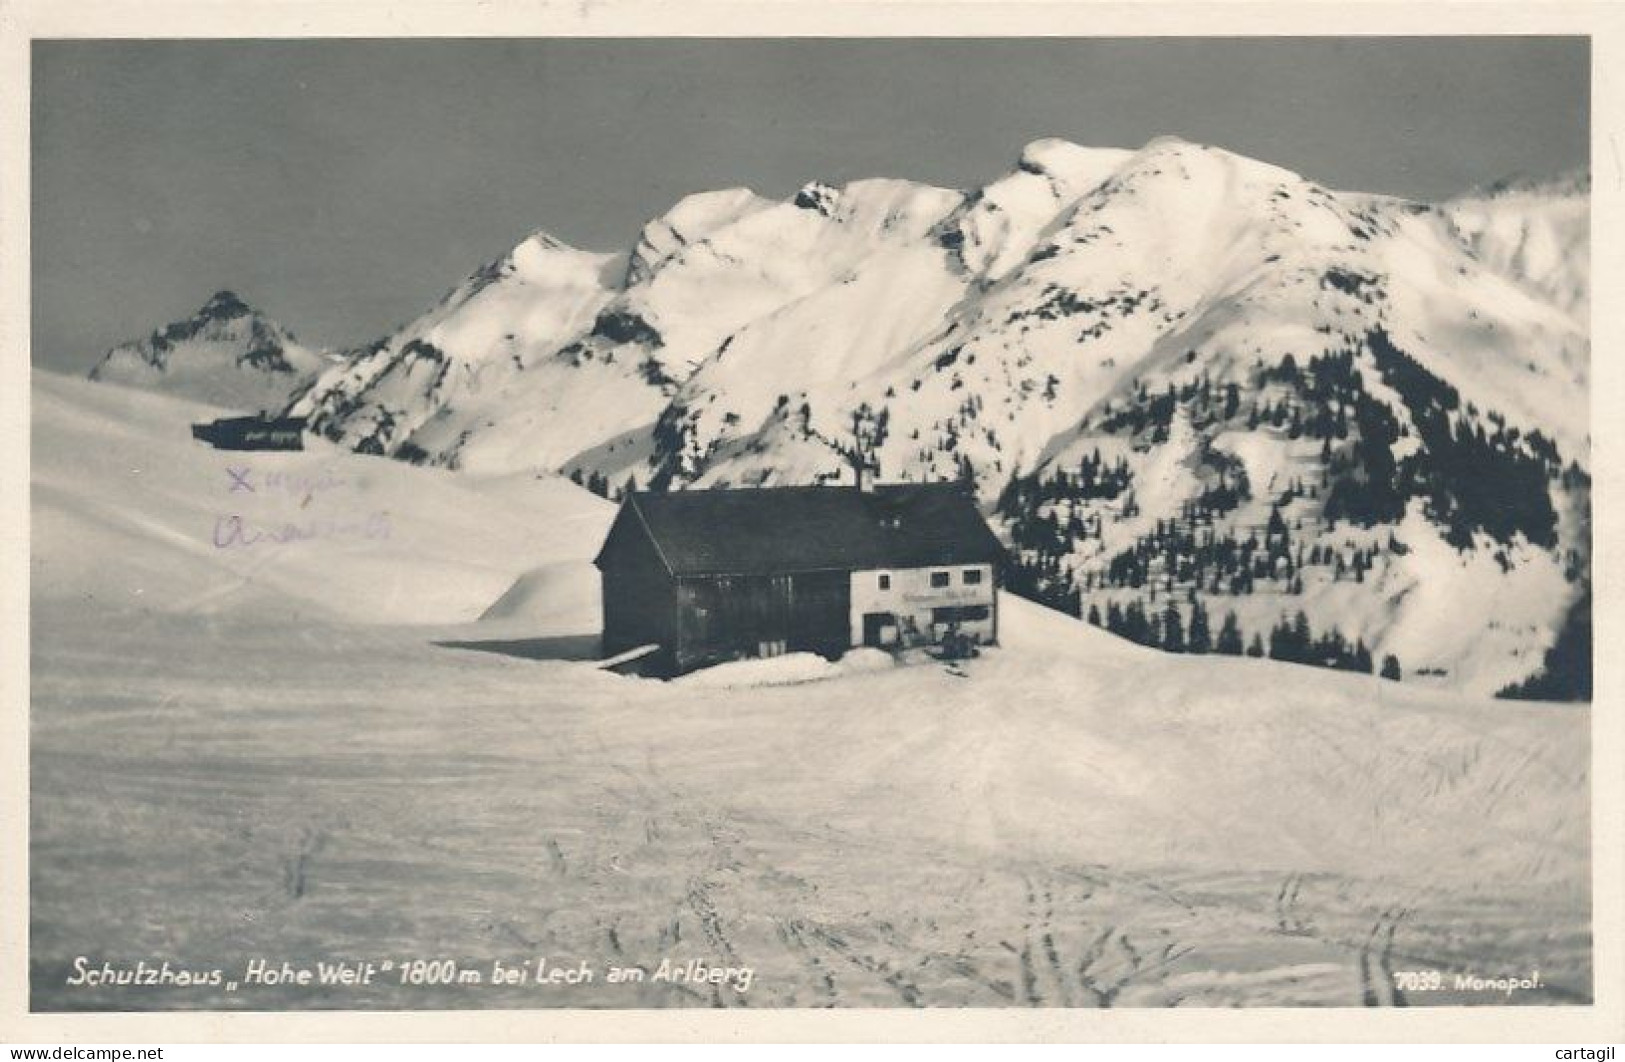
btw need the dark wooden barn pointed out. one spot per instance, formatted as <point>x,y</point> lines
<point>253,433</point>
<point>716,575</point>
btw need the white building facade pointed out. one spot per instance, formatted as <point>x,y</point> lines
<point>904,607</point>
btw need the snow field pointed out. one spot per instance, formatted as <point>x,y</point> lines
<point>255,764</point>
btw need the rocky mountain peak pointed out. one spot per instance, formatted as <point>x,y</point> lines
<point>224,305</point>
<point>818,197</point>
<point>227,354</point>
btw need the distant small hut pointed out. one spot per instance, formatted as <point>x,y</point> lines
<point>716,575</point>
<point>253,433</point>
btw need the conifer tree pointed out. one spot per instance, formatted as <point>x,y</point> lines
<point>1199,639</point>
<point>1362,657</point>
<point>1135,626</point>
<point>1302,637</point>
<point>1173,632</point>
<point>1281,641</point>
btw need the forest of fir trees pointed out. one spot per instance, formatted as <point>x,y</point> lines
<point>1189,630</point>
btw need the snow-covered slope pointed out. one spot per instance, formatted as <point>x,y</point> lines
<point>556,354</point>
<point>227,354</point>
<point>1345,360</point>
<point>996,228</point>
<point>488,354</point>
<point>1537,233</point>
<point>772,257</point>
<point>132,514</point>
<point>1182,250</point>
<point>1197,833</point>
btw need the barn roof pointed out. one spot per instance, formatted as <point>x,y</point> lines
<point>770,530</point>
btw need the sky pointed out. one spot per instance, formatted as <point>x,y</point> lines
<point>345,186</point>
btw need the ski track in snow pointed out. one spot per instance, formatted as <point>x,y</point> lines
<point>371,802</point>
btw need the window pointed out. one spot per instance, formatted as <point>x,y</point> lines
<point>939,580</point>
<point>885,581</point>
<point>960,614</point>
<point>972,576</point>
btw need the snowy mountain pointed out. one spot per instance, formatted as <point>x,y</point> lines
<point>1350,435</point>
<point>226,354</point>
<point>1175,374</point>
<point>487,355</point>
<point>553,357</point>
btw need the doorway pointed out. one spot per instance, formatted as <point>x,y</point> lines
<point>879,630</point>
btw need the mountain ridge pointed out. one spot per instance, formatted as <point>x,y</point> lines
<point>1223,340</point>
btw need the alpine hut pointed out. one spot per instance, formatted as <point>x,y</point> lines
<point>714,575</point>
<point>259,432</point>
